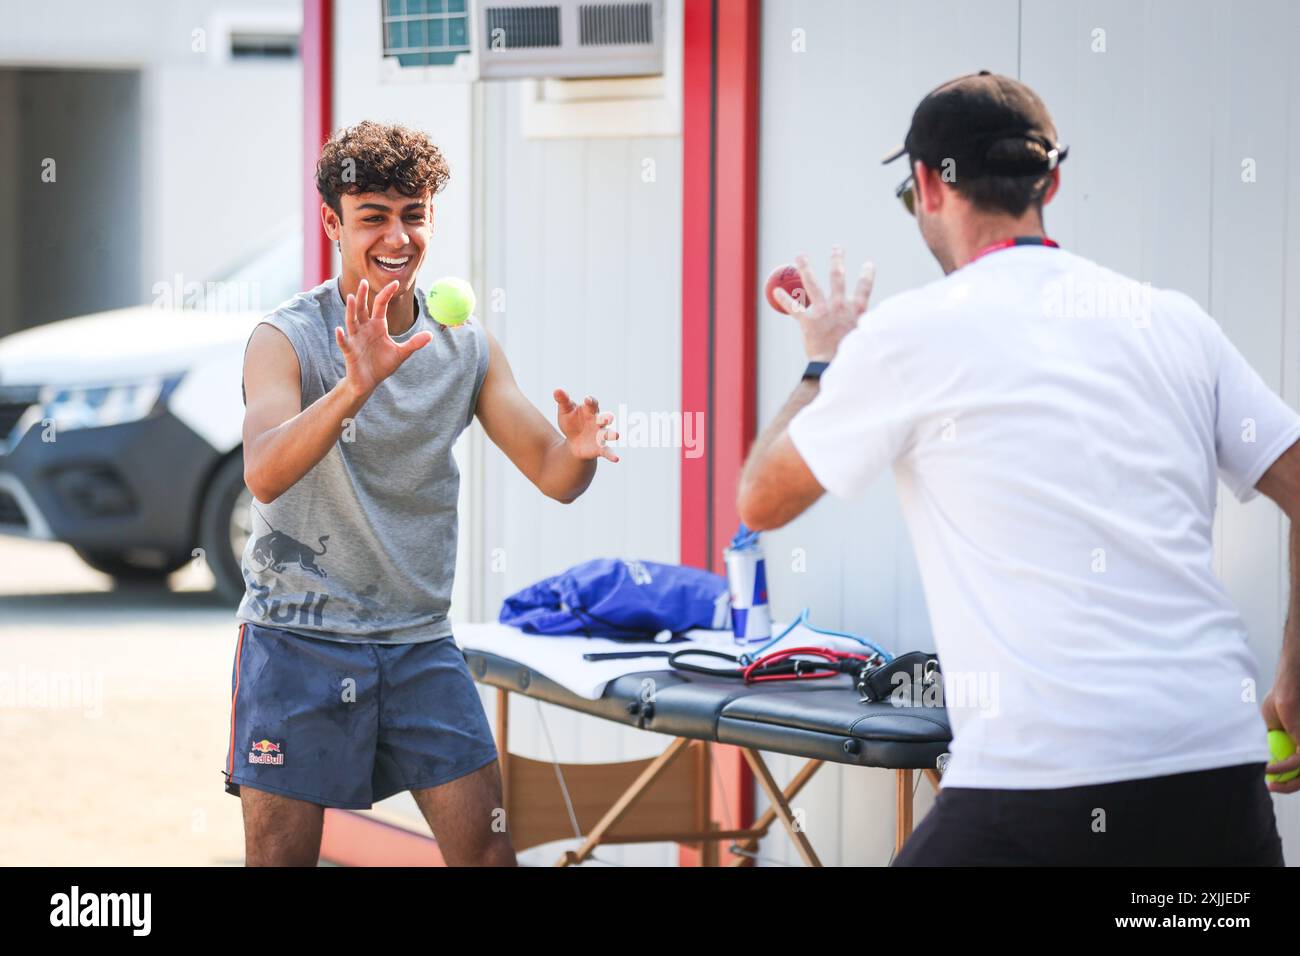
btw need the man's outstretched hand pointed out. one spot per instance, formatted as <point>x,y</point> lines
<point>584,426</point>
<point>824,319</point>
<point>369,351</point>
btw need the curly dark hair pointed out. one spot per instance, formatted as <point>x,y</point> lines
<point>375,157</point>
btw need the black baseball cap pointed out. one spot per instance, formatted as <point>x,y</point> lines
<point>989,125</point>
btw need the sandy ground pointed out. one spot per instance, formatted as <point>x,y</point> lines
<point>114,708</point>
<point>115,717</point>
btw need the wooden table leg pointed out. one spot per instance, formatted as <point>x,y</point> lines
<point>704,804</point>
<point>770,814</point>
<point>903,808</point>
<point>781,806</point>
<point>620,807</point>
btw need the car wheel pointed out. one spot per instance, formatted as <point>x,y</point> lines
<point>225,525</point>
<point>128,569</point>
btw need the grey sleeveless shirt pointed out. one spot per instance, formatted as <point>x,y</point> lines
<point>363,548</point>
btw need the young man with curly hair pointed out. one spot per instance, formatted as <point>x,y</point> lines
<point>348,686</point>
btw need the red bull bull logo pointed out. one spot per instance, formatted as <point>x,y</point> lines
<point>266,752</point>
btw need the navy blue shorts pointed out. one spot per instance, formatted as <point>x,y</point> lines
<point>345,725</point>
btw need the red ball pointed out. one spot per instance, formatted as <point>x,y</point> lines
<point>785,277</point>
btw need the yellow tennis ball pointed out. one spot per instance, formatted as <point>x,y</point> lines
<point>450,301</point>
<point>1280,746</point>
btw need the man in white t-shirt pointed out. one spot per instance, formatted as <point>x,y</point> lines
<point>1055,431</point>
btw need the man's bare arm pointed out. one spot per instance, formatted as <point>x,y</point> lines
<point>560,465</point>
<point>776,485</point>
<point>282,440</point>
<point>1281,707</point>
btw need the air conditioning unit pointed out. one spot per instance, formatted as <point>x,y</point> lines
<point>568,39</point>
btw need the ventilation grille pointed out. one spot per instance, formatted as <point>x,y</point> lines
<point>518,28</point>
<point>612,24</point>
<point>569,39</point>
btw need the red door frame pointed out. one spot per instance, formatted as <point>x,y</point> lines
<point>719,292</point>
<point>697,275</point>
<point>317,53</point>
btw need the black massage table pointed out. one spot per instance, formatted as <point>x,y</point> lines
<point>667,799</point>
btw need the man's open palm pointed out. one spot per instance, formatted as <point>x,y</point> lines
<point>369,351</point>
<point>585,426</point>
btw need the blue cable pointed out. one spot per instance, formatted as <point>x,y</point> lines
<point>749,658</point>
<point>853,637</point>
<point>803,619</point>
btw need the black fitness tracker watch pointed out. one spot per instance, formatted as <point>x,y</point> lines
<point>815,369</point>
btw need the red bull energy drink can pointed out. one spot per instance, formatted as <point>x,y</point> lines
<point>751,617</point>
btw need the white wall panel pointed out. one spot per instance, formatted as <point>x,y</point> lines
<point>1158,125</point>
<point>582,247</point>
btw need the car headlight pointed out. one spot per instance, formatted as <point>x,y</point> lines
<point>97,406</point>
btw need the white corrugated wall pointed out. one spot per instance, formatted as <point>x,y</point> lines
<point>1158,124</point>
<point>582,254</point>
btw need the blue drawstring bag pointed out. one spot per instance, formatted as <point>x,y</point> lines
<point>612,597</point>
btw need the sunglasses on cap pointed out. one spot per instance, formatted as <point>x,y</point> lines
<point>906,191</point>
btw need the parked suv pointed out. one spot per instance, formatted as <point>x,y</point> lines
<point>120,432</point>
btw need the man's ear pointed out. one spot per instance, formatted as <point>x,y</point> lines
<point>330,220</point>
<point>929,188</point>
<point>1056,184</point>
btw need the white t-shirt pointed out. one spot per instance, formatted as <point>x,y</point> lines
<point>1055,431</point>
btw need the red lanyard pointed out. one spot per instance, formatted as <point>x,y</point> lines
<point>1017,241</point>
